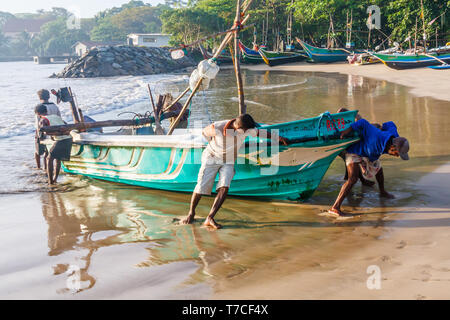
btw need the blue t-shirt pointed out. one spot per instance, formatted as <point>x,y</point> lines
<point>373,140</point>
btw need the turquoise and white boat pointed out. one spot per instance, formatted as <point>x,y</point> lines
<point>173,162</point>
<point>324,55</point>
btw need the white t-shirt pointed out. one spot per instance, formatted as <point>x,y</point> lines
<point>225,145</point>
<point>52,109</point>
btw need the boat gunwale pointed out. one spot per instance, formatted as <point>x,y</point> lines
<point>158,140</point>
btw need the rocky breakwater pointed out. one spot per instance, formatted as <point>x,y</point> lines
<point>112,61</point>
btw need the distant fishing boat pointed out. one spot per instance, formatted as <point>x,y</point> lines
<point>324,54</point>
<point>359,59</point>
<point>223,58</point>
<point>250,56</point>
<point>433,57</point>
<point>172,162</point>
<point>273,58</point>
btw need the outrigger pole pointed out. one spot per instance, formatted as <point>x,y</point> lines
<point>237,66</point>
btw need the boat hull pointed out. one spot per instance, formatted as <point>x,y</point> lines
<point>250,56</point>
<point>292,172</point>
<point>221,59</point>
<point>323,55</point>
<point>403,61</point>
<point>277,58</point>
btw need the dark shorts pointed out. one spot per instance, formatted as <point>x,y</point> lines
<point>61,149</point>
<point>40,148</point>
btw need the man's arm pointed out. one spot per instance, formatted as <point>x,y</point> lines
<point>42,123</point>
<point>346,132</point>
<point>268,135</point>
<point>359,126</point>
<point>209,131</point>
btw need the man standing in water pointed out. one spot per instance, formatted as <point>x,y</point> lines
<point>363,156</point>
<point>52,109</point>
<point>60,148</point>
<point>225,139</point>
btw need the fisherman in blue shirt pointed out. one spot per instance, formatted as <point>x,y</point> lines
<point>363,156</point>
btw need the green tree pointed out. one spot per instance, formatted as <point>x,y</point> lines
<point>116,10</point>
<point>107,31</point>
<point>5,16</point>
<point>4,45</point>
<point>56,39</point>
<point>133,17</point>
<point>137,20</point>
<point>189,24</point>
<point>397,17</point>
<point>21,45</point>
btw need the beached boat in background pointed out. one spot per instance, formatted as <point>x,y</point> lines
<point>172,162</point>
<point>223,58</point>
<point>360,59</point>
<point>273,58</point>
<point>433,57</point>
<point>250,56</point>
<point>324,54</point>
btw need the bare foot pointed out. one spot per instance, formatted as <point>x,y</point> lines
<point>209,222</point>
<point>386,195</point>
<point>338,213</point>
<point>335,212</point>
<point>188,220</point>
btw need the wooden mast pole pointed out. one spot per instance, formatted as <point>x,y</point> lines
<point>159,130</point>
<point>424,29</point>
<point>415,38</point>
<point>237,66</point>
<point>75,115</point>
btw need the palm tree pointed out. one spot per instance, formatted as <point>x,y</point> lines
<point>4,44</point>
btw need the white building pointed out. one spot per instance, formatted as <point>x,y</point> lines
<point>81,47</point>
<point>148,39</point>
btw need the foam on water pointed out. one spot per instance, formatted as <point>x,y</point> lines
<point>94,96</point>
<point>276,86</point>
<point>236,99</point>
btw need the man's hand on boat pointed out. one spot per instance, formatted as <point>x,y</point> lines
<point>284,141</point>
<point>346,132</point>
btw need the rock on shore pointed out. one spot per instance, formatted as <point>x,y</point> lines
<point>112,61</point>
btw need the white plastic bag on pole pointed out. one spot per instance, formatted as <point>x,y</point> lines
<point>208,69</point>
<point>177,54</point>
<point>195,77</point>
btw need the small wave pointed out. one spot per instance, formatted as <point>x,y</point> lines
<point>276,86</point>
<point>94,97</point>
<point>252,102</point>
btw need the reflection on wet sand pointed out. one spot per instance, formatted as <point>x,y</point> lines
<point>256,234</point>
<point>92,218</point>
<point>105,214</point>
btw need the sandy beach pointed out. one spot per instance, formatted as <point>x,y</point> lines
<point>411,253</point>
<point>424,82</point>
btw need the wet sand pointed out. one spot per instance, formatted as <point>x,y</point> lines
<point>411,252</point>
<point>424,82</point>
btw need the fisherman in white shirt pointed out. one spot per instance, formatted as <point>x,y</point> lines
<point>52,109</point>
<point>225,139</point>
